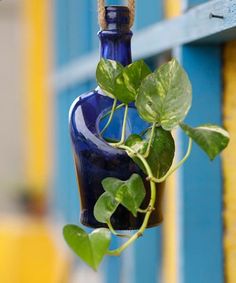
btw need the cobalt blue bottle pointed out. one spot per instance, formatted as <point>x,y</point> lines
<point>94,158</point>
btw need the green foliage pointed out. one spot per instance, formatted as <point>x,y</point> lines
<point>161,153</point>
<point>128,81</point>
<point>137,144</point>
<point>121,82</point>
<point>211,138</point>
<point>164,99</point>
<point>105,206</point>
<point>165,96</point>
<point>106,73</point>
<point>130,194</point>
<point>91,248</point>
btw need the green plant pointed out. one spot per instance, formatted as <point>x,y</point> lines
<point>163,99</point>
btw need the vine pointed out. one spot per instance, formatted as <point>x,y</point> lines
<point>163,99</point>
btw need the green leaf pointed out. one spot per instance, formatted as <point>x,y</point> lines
<point>128,81</point>
<point>137,143</point>
<point>106,73</point>
<point>91,248</point>
<point>105,206</point>
<point>165,96</point>
<point>133,194</point>
<point>211,138</point>
<point>161,154</point>
<point>130,194</point>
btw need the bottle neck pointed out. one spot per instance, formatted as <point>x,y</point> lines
<point>116,45</point>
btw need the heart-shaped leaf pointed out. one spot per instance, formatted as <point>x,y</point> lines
<point>161,153</point>
<point>130,194</point>
<point>106,73</point>
<point>165,96</point>
<point>105,206</point>
<point>128,81</point>
<point>91,248</point>
<point>211,138</point>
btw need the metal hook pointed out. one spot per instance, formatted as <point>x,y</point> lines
<point>211,15</point>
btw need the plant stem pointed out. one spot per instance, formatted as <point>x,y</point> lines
<point>143,210</point>
<point>109,112</point>
<point>152,180</point>
<point>123,128</point>
<point>150,141</point>
<point>141,230</point>
<point>114,232</point>
<point>124,124</point>
<point>110,118</point>
<point>173,169</point>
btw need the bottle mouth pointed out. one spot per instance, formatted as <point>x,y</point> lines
<point>117,18</point>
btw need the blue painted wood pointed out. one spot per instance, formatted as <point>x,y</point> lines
<point>147,255</point>
<point>148,12</point>
<point>94,28</point>
<point>113,265</point>
<point>73,38</point>
<point>192,3</point>
<point>61,33</point>
<point>66,198</point>
<point>60,152</point>
<point>79,28</point>
<point>202,226</point>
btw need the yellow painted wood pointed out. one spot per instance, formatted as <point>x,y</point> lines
<point>37,120</point>
<point>170,229</point>
<point>28,253</point>
<point>172,8</point>
<point>170,233</point>
<point>229,162</point>
<point>170,244</point>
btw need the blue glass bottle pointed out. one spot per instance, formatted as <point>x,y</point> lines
<point>94,158</point>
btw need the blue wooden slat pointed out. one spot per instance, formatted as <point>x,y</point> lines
<point>59,206</point>
<point>66,198</point>
<point>148,254</point>
<point>94,28</point>
<point>79,28</point>
<point>61,32</point>
<point>113,265</point>
<point>73,38</point>
<point>191,3</point>
<point>201,215</point>
<point>148,12</point>
<point>201,180</point>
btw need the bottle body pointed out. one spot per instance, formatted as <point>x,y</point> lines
<point>96,160</point>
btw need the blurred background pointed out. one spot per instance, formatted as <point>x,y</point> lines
<point>44,46</point>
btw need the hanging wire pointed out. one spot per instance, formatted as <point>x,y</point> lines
<point>102,13</point>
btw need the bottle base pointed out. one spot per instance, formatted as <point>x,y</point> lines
<point>85,219</point>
